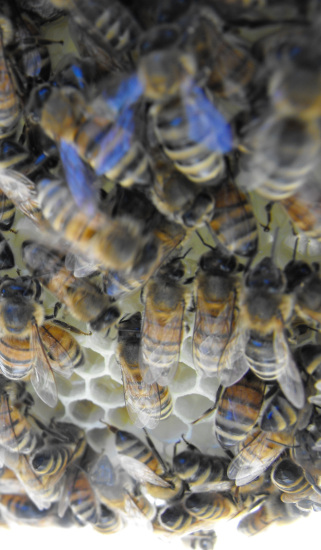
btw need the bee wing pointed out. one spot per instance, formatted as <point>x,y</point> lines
<point>213,329</point>
<point>47,339</point>
<point>140,472</point>
<point>289,376</point>
<point>233,363</point>
<point>254,458</point>
<point>205,122</point>
<point>159,362</point>
<point>17,187</point>
<point>80,178</point>
<point>32,483</point>
<point>217,486</point>
<point>42,377</point>
<point>142,400</point>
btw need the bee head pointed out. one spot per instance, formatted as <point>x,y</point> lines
<point>217,262</point>
<point>265,276</point>
<point>296,272</point>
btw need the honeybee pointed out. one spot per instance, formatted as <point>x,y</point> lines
<point>191,131</point>
<point>164,299</point>
<point>290,479</point>
<point>9,101</point>
<point>113,27</point>
<point>83,299</point>
<point>118,283</point>
<point>273,509</point>
<point>278,415</point>
<point>306,453</point>
<point>259,341</point>
<point>176,519</point>
<point>145,465</point>
<point>238,410</point>
<point>200,540</point>
<point>281,153</point>
<point>202,472</point>
<point>30,341</point>
<point>119,243</point>
<point>177,198</point>
<point>21,509</point>
<point>146,404</point>
<point>86,506</point>
<point>224,57</point>
<point>29,51</point>
<point>100,132</point>
<point>64,444</point>
<point>233,222</point>
<point>257,452</point>
<point>17,435</point>
<point>304,209</point>
<point>305,283</point>
<point>210,506</point>
<point>216,292</point>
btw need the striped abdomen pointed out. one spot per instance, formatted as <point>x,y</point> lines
<point>177,519</point>
<point>234,223</point>
<point>212,330</point>
<point>22,510</point>
<point>192,155</point>
<point>111,150</point>
<point>131,446</point>
<point>211,506</point>
<point>16,433</point>
<point>109,521</point>
<point>260,354</point>
<point>198,469</point>
<point>82,500</point>
<point>166,403</point>
<point>290,479</point>
<point>7,212</point>
<point>62,348</point>
<point>16,357</point>
<point>9,105</point>
<point>257,521</point>
<point>238,410</point>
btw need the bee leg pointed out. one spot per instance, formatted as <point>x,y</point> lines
<point>71,327</point>
<point>268,209</point>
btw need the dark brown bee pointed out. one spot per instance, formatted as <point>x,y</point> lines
<point>216,291</point>
<point>146,404</point>
<point>238,410</point>
<point>83,299</point>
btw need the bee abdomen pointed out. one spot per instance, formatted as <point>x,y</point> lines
<point>16,357</point>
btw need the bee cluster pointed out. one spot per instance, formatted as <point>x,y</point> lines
<point>139,168</point>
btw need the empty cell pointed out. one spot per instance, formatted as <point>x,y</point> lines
<point>191,407</point>
<point>106,391</point>
<point>184,381</point>
<point>85,412</point>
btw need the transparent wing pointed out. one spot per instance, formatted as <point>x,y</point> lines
<point>211,334</point>
<point>140,472</point>
<point>32,483</point>
<point>233,363</point>
<point>259,451</point>
<point>217,486</point>
<point>160,346</point>
<point>205,123</point>
<point>42,377</point>
<point>80,178</point>
<point>142,399</point>
<point>289,376</point>
<point>50,340</point>
<point>17,187</point>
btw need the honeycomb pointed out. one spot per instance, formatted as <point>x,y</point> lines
<point>93,395</point>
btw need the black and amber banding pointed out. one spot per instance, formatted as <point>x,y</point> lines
<point>238,410</point>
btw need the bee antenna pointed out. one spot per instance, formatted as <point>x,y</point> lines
<point>295,249</point>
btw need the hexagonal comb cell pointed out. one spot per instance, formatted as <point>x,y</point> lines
<point>106,391</point>
<point>192,406</point>
<point>85,412</point>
